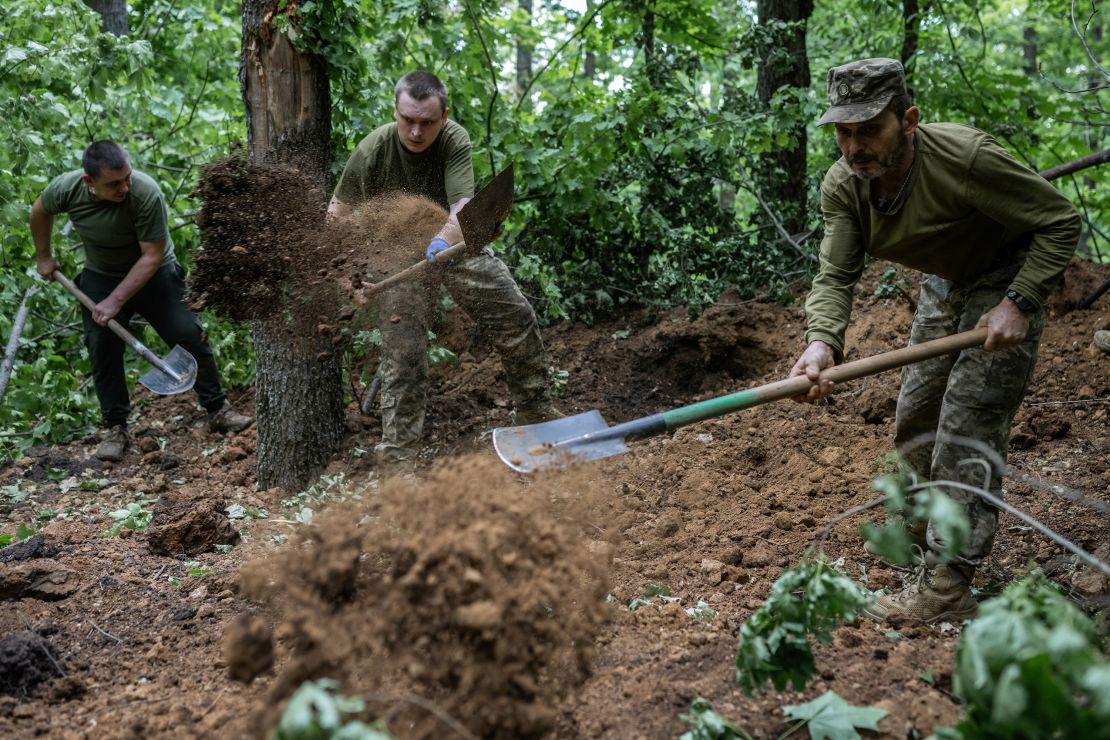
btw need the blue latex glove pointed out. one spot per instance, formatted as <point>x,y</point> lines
<point>435,246</point>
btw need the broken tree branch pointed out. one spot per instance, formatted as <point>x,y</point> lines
<point>13,340</point>
<point>1076,165</point>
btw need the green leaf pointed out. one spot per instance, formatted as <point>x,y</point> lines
<point>808,600</point>
<point>829,716</point>
<point>706,724</point>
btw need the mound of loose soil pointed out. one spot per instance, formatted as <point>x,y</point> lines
<point>481,596</point>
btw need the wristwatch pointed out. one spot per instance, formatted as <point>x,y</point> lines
<point>1024,304</point>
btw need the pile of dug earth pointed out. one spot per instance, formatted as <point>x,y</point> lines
<point>481,600</point>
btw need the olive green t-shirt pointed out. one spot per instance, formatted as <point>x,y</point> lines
<point>966,202</point>
<point>110,232</point>
<point>443,172</point>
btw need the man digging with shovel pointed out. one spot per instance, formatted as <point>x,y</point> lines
<point>130,267</point>
<point>426,154</point>
<point>992,239</point>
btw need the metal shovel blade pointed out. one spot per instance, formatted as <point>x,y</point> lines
<point>481,218</point>
<point>555,444</point>
<point>182,364</point>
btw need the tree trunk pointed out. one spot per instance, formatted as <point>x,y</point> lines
<point>523,54</point>
<point>911,30</point>
<point>299,388</point>
<point>783,172</point>
<point>1029,51</point>
<point>589,69</point>
<point>113,14</point>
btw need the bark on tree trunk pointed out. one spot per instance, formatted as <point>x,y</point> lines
<point>523,55</point>
<point>298,390</point>
<point>1029,51</point>
<point>113,14</point>
<point>783,172</point>
<point>911,30</point>
<point>589,68</point>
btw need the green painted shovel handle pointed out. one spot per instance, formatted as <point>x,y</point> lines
<point>792,387</point>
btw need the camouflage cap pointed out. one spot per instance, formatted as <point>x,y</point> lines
<point>860,90</point>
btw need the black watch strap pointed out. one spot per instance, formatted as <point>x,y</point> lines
<point>1024,304</point>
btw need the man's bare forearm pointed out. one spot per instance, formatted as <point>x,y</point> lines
<point>451,231</point>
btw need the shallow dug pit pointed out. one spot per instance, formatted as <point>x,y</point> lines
<point>189,526</point>
<point>26,660</point>
<point>472,592</point>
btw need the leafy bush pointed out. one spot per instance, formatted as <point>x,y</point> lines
<point>810,599</point>
<point>1030,666</point>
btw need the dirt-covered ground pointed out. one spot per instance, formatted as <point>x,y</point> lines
<point>474,596</point>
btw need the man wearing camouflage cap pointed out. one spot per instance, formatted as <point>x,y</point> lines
<point>992,239</point>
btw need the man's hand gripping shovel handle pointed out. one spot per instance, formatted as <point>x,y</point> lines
<point>131,340</point>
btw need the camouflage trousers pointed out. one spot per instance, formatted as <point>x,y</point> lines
<point>484,288</point>
<point>973,394</point>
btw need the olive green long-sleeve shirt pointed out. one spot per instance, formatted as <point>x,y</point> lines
<point>967,202</point>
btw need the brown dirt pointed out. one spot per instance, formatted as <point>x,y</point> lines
<point>714,511</point>
<point>269,252</point>
<point>481,596</point>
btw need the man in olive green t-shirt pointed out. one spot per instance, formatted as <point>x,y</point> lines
<point>992,239</point>
<point>425,153</point>
<point>130,268</point>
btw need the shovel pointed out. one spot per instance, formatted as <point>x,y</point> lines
<point>175,374</point>
<point>480,220</point>
<point>588,436</point>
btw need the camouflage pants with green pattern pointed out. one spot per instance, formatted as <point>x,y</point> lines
<point>484,288</point>
<point>973,394</point>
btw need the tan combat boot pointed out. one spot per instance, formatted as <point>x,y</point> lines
<point>941,593</point>
<point>114,444</point>
<point>227,419</point>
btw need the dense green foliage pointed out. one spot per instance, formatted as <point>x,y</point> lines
<point>1030,665</point>
<point>808,600</point>
<point>635,135</point>
<point>169,93</point>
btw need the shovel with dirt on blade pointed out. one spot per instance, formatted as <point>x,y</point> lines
<point>588,436</point>
<point>176,373</point>
<point>481,220</point>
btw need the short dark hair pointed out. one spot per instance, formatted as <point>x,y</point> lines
<point>899,104</point>
<point>421,85</point>
<point>103,155</point>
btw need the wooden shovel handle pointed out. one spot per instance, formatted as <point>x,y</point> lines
<point>131,340</point>
<point>455,250</point>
